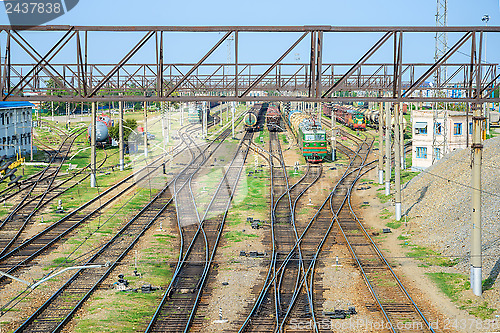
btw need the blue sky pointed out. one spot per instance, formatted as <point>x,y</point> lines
<point>275,12</point>
<point>338,47</point>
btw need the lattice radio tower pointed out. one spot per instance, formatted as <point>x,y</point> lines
<point>440,115</point>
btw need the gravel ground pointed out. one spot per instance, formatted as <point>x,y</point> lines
<point>438,202</point>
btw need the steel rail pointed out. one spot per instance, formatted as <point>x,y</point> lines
<point>42,203</point>
<point>310,288</point>
<point>209,260</point>
<point>183,255</point>
<point>39,204</point>
<point>95,257</point>
<point>294,229</point>
<point>83,219</point>
<point>180,262</point>
<point>382,257</point>
<point>268,282</point>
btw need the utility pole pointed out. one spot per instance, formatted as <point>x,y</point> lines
<point>397,160</point>
<point>476,256</point>
<point>380,144</point>
<point>145,129</point>
<point>206,108</point>
<point>120,133</point>
<point>182,113</point>
<point>164,137</point>
<point>402,138</point>
<point>334,135</point>
<point>477,150</point>
<point>387,149</point>
<point>203,134</point>
<point>233,107</point>
<point>93,181</point>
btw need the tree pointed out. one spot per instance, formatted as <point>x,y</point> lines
<point>128,134</point>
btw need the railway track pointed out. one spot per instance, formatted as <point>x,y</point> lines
<point>287,262</point>
<point>199,240</point>
<point>28,250</point>
<point>41,192</point>
<point>58,310</point>
<point>303,300</point>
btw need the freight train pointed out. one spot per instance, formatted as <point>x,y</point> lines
<point>346,114</point>
<point>273,118</point>
<point>103,123</point>
<point>253,119</point>
<point>310,135</point>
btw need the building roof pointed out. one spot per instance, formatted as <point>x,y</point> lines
<point>430,113</point>
<point>9,105</point>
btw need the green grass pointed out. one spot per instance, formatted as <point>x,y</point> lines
<point>250,198</point>
<point>393,224</point>
<point>454,285</point>
<point>403,237</point>
<point>430,257</point>
<point>238,236</point>
<point>385,214</point>
<point>383,198</point>
<point>264,134</point>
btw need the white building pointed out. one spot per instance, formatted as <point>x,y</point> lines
<point>15,128</point>
<point>423,129</point>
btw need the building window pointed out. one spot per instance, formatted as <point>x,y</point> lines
<point>437,153</point>
<point>420,128</point>
<point>470,128</point>
<point>457,129</point>
<point>438,129</point>
<point>421,152</point>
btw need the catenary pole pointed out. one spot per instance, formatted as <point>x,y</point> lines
<point>477,151</point>
<point>380,144</point>
<point>120,133</point>
<point>93,145</point>
<point>397,160</point>
<point>387,149</point>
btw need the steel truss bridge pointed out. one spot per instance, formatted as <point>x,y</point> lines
<point>45,79</point>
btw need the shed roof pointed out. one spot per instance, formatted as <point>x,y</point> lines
<point>8,105</point>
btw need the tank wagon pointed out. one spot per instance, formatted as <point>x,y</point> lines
<point>273,118</point>
<point>103,123</point>
<point>373,117</point>
<point>311,137</point>
<point>253,119</point>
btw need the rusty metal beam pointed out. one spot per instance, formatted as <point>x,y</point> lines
<point>55,49</point>
<point>199,62</point>
<point>358,64</point>
<point>442,60</point>
<point>127,57</point>
<point>306,28</point>
<point>274,65</point>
